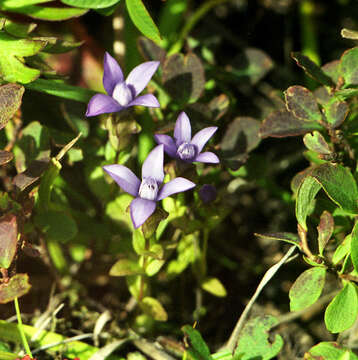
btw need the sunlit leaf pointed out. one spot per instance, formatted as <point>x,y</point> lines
<point>316,143</point>
<point>12,52</point>
<point>198,347</point>
<point>142,19</point>
<point>342,311</point>
<point>125,267</point>
<point>254,342</point>
<point>91,4</point>
<point>154,308</point>
<point>214,286</point>
<point>349,66</point>
<point>329,351</point>
<point>17,286</point>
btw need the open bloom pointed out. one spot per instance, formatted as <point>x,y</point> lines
<point>148,191</point>
<point>123,93</point>
<point>183,146</point>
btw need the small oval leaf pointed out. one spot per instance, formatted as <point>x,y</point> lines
<point>17,286</point>
<point>307,288</point>
<point>154,308</point>
<point>342,311</point>
<point>125,267</point>
<point>8,239</point>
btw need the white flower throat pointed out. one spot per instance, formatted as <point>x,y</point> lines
<point>148,189</point>
<point>122,93</point>
<point>186,151</point>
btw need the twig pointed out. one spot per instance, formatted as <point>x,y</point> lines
<point>231,344</point>
<point>151,350</point>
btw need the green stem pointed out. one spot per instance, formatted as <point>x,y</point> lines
<point>20,327</point>
<point>193,20</point>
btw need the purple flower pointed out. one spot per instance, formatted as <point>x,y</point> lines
<point>123,93</point>
<point>183,146</point>
<point>148,191</point>
<point>207,193</point>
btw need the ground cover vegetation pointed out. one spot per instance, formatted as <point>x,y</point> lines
<point>178,179</point>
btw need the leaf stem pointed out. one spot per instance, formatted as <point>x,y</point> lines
<point>232,342</point>
<point>193,20</point>
<point>21,329</point>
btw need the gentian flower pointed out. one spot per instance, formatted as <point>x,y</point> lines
<point>183,146</point>
<point>123,93</point>
<point>148,191</point>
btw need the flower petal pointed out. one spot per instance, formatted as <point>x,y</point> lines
<point>141,209</point>
<point>182,130</point>
<point>147,100</point>
<point>102,104</point>
<point>153,164</point>
<point>124,177</point>
<point>168,142</point>
<point>202,137</point>
<point>139,77</point>
<point>112,74</point>
<point>207,157</point>
<point>174,186</point>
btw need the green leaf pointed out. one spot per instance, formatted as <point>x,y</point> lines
<point>339,184</point>
<point>10,101</point>
<point>329,351</point>
<point>154,265</point>
<point>154,308</point>
<point>283,123</point>
<point>57,225</point>
<point>254,342</point>
<point>125,267</point>
<point>8,239</point>
<point>342,250</point>
<point>21,30</point>
<point>12,51</point>
<point>325,230</point>
<point>13,4</point>
<point>197,344</point>
<point>316,142</point>
<point>301,102</point>
<point>307,288</point>
<point>4,355</point>
<point>17,286</point>
<point>354,246</point>
<point>214,286</point>
<point>335,112</point>
<point>142,20</point>
<point>349,66</point>
<point>91,4</point>
<point>312,69</point>
<point>62,90</point>
<point>47,13</point>
<point>305,199</point>
<point>342,311</point>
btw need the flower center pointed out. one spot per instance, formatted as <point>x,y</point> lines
<point>122,93</point>
<point>186,151</point>
<point>148,189</point>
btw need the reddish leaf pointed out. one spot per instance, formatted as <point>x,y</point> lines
<point>8,239</point>
<point>283,123</point>
<point>219,106</point>
<point>17,286</point>
<point>332,69</point>
<point>5,157</point>
<point>150,50</point>
<point>10,101</point>
<point>31,174</point>
<point>336,112</point>
<point>301,102</point>
<point>325,230</point>
<point>184,77</point>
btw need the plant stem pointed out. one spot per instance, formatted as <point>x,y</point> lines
<point>21,330</point>
<point>232,342</point>
<point>193,20</point>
